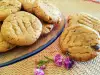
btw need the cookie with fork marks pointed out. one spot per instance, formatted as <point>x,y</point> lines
<point>21,28</point>
<point>80,42</point>
<point>8,7</point>
<point>85,19</point>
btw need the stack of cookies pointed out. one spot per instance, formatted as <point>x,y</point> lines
<point>81,39</point>
<point>24,21</point>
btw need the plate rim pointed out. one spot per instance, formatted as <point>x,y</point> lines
<point>41,48</point>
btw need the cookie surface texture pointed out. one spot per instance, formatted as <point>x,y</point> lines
<point>85,19</point>
<point>21,28</point>
<point>47,28</point>
<point>8,7</point>
<point>46,11</point>
<point>78,42</point>
<point>4,45</point>
<point>28,5</point>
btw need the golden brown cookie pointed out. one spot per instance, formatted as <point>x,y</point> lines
<point>28,5</point>
<point>21,28</point>
<point>8,7</point>
<point>46,11</point>
<point>79,41</point>
<point>47,28</point>
<point>85,19</point>
<point>0,24</point>
<point>4,45</point>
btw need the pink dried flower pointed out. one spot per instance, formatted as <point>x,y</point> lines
<point>58,59</point>
<point>38,72</point>
<point>68,63</point>
<point>42,67</point>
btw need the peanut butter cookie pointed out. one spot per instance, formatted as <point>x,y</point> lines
<point>28,5</point>
<point>46,11</point>
<point>79,42</point>
<point>21,28</point>
<point>4,45</point>
<point>47,28</point>
<point>8,7</point>
<point>85,19</point>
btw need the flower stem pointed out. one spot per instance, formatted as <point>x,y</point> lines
<point>49,59</point>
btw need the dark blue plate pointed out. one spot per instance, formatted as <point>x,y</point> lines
<point>21,53</point>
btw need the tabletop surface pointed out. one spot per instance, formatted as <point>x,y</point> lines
<point>27,66</point>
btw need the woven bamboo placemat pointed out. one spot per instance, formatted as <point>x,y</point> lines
<point>27,66</point>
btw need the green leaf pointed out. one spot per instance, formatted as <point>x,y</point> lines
<point>42,62</point>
